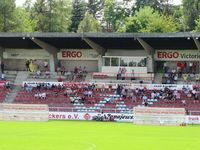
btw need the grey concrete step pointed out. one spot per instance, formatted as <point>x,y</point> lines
<point>12,94</point>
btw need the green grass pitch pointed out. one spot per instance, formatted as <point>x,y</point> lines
<point>81,135</point>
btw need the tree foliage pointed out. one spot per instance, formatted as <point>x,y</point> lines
<point>191,12</point>
<point>78,11</point>
<point>148,20</point>
<point>94,7</point>
<point>7,16</point>
<point>113,15</point>
<point>197,27</point>
<point>52,15</point>
<point>89,24</point>
<point>23,21</point>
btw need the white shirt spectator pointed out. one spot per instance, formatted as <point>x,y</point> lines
<point>144,98</point>
<point>89,93</point>
<point>153,95</point>
<point>190,64</point>
<point>157,95</point>
<point>194,91</point>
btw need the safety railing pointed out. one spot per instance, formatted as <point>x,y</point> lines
<point>126,76</point>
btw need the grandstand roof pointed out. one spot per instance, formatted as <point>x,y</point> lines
<point>180,41</point>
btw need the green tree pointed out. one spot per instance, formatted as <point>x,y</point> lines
<point>52,15</point>
<point>114,14</point>
<point>148,20</point>
<point>23,21</point>
<point>155,4</point>
<point>163,6</point>
<point>95,7</point>
<point>7,8</point>
<point>197,27</point>
<point>191,12</point>
<point>89,24</point>
<point>78,11</point>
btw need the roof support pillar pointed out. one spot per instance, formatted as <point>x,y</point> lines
<point>52,50</point>
<point>197,43</point>
<point>150,52</point>
<point>99,49</point>
<point>2,49</point>
<point>146,46</point>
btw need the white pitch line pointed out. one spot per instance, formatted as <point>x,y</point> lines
<point>92,146</point>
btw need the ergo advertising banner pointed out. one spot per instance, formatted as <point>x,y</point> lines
<point>177,55</point>
<point>75,54</point>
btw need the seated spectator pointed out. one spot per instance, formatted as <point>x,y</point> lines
<point>68,92</point>
<point>185,78</point>
<point>183,102</point>
<point>47,74</point>
<point>3,77</point>
<point>59,79</point>
<point>7,85</point>
<point>68,75</point>
<point>38,73</point>
<point>82,100</point>
<point>178,95</point>
<point>40,95</point>
<point>153,95</point>
<point>72,100</point>
<point>194,92</point>
<point>85,93</point>
<point>62,70</point>
<point>133,98</point>
<point>196,99</point>
<point>89,93</point>
<point>29,88</point>
<point>197,78</point>
<point>84,69</point>
<point>144,98</point>
<point>75,70</point>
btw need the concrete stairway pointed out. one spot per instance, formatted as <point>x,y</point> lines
<point>21,76</point>
<point>158,78</point>
<point>88,77</point>
<point>10,76</point>
<point>12,94</point>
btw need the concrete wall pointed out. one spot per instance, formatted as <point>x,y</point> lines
<point>19,64</point>
<point>91,65</point>
<point>24,112</point>
<point>126,53</point>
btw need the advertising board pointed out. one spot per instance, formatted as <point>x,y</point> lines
<point>120,117</point>
<point>177,55</point>
<point>78,54</point>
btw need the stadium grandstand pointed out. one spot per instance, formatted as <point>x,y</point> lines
<point>101,72</point>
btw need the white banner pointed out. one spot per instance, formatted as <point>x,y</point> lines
<point>82,54</point>
<point>35,83</point>
<point>177,55</point>
<point>162,86</point>
<point>192,119</point>
<point>120,117</point>
<point>114,85</point>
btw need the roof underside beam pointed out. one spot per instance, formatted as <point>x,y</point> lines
<point>51,49</point>
<point>197,43</point>
<point>146,46</point>
<point>99,49</point>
